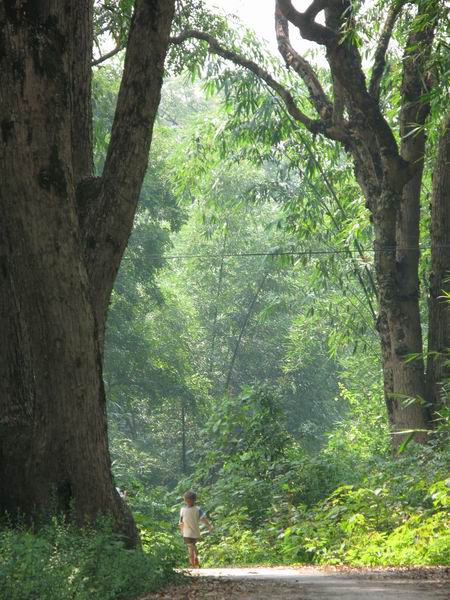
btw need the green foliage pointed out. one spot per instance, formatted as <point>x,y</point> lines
<point>155,519</point>
<point>238,547</point>
<point>256,378</point>
<point>364,526</point>
<point>242,450</point>
<point>362,438</point>
<point>112,19</point>
<point>62,562</point>
<point>351,503</point>
<point>247,426</point>
<point>356,525</point>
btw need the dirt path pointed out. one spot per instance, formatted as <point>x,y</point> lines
<point>309,583</point>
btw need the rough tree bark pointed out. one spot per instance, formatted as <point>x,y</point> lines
<point>439,315</point>
<point>390,176</point>
<point>407,336</point>
<point>62,235</point>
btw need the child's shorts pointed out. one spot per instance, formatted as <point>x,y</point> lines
<point>188,540</point>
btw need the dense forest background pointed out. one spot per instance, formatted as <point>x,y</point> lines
<point>242,353</point>
<point>237,304</point>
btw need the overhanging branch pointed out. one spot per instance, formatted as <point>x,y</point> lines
<point>379,61</point>
<point>104,57</point>
<point>364,112</point>
<point>315,126</point>
<point>309,29</point>
<point>301,66</point>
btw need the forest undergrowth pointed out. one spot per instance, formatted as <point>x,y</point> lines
<point>274,503</point>
<point>271,502</point>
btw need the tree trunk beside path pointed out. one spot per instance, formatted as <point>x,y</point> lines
<point>60,249</point>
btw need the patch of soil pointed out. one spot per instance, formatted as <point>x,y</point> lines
<point>219,589</point>
<point>423,573</point>
<point>423,582</point>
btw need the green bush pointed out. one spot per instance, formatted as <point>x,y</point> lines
<point>242,547</point>
<point>356,526</point>
<point>161,538</point>
<point>350,503</point>
<point>343,505</point>
<point>62,562</point>
<point>362,526</point>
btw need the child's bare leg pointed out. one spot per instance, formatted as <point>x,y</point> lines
<point>192,555</point>
<point>197,564</point>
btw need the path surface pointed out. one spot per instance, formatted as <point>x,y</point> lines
<point>308,583</point>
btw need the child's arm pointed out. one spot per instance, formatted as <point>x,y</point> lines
<point>208,524</point>
<point>180,522</point>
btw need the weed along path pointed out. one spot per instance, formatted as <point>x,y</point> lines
<point>310,583</point>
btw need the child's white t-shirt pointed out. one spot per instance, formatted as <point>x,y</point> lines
<point>190,517</point>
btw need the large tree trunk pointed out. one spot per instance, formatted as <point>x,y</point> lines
<point>398,328</point>
<point>79,41</point>
<point>439,310</point>
<point>410,391</point>
<point>53,447</point>
<point>398,321</point>
<point>391,183</point>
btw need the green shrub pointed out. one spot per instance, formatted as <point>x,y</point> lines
<point>62,562</point>
<point>237,547</point>
<point>366,527</point>
<point>398,516</point>
<point>161,538</point>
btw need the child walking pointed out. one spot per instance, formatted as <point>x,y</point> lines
<point>190,517</point>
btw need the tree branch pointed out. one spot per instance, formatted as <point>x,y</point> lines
<point>108,221</point>
<point>364,112</point>
<point>315,8</point>
<point>315,126</point>
<point>346,70</point>
<point>379,61</point>
<point>108,55</point>
<point>416,83</point>
<point>301,66</point>
<point>248,314</point>
<point>309,29</point>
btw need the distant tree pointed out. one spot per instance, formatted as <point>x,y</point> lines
<point>350,108</point>
<point>62,236</point>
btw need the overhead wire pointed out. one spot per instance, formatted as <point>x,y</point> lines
<point>308,253</point>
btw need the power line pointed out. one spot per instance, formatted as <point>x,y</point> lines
<point>308,253</point>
